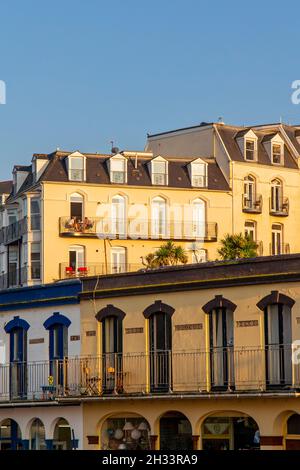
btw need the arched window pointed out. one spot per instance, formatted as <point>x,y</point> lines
<point>111,319</point>
<point>159,217</point>
<point>221,332</point>
<point>37,435</point>
<point>249,199</point>
<point>278,338</point>
<point>76,207</point>
<point>199,225</point>
<point>62,439</point>
<point>276,195</point>
<point>250,229</point>
<point>57,325</point>
<point>17,330</point>
<point>277,246</point>
<point>10,435</point>
<point>160,345</point>
<point>118,215</point>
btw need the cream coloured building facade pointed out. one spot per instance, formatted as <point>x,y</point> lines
<point>70,214</point>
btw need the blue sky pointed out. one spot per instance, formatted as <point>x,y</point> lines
<point>80,74</point>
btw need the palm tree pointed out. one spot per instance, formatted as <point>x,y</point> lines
<point>167,254</point>
<point>237,246</point>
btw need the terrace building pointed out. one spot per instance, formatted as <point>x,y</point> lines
<point>179,358</point>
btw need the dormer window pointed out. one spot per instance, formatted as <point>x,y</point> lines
<point>250,150</point>
<point>118,169</point>
<point>76,167</point>
<point>247,142</point>
<point>277,154</point>
<point>159,171</point>
<point>198,173</point>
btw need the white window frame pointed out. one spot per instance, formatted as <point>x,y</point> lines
<point>159,217</point>
<point>83,169</point>
<point>114,173</point>
<point>254,142</point>
<point>118,266</point>
<point>198,180</point>
<point>277,144</point>
<point>165,175</point>
<point>248,229</point>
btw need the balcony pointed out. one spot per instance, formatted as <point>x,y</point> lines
<point>226,371</point>
<point>96,269</point>
<point>279,208</point>
<point>14,231</point>
<point>279,249</point>
<point>252,205</point>
<point>151,229</point>
<point>71,227</point>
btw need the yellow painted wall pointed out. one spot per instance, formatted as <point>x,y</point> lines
<point>57,204</point>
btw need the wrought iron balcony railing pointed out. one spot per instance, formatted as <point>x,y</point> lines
<point>16,230</point>
<point>252,205</point>
<point>279,249</point>
<point>96,269</point>
<point>138,229</point>
<point>219,370</point>
<point>76,227</point>
<point>279,207</point>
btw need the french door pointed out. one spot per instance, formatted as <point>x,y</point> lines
<point>278,345</point>
<point>18,363</point>
<point>159,217</point>
<point>160,352</point>
<point>221,348</point>
<point>198,219</point>
<point>112,346</point>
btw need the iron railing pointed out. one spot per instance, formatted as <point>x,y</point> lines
<point>16,230</point>
<point>279,207</point>
<point>252,205</point>
<point>220,370</point>
<point>96,269</point>
<point>279,249</point>
<point>156,229</point>
<point>76,227</point>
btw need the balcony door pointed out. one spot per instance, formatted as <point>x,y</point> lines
<point>198,218</point>
<point>76,258</point>
<point>160,331</point>
<point>249,192</point>
<point>159,217</point>
<point>276,245</point>
<point>118,215</point>
<point>276,195</point>
<point>18,363</point>
<point>278,338</point>
<point>221,348</point>
<point>118,259</point>
<point>76,207</point>
<point>112,346</point>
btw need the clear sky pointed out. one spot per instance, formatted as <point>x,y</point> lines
<point>82,73</point>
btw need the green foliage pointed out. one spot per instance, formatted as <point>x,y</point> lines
<point>237,246</point>
<point>167,254</point>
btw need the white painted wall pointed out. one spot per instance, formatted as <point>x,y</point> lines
<point>36,317</point>
<point>49,416</point>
